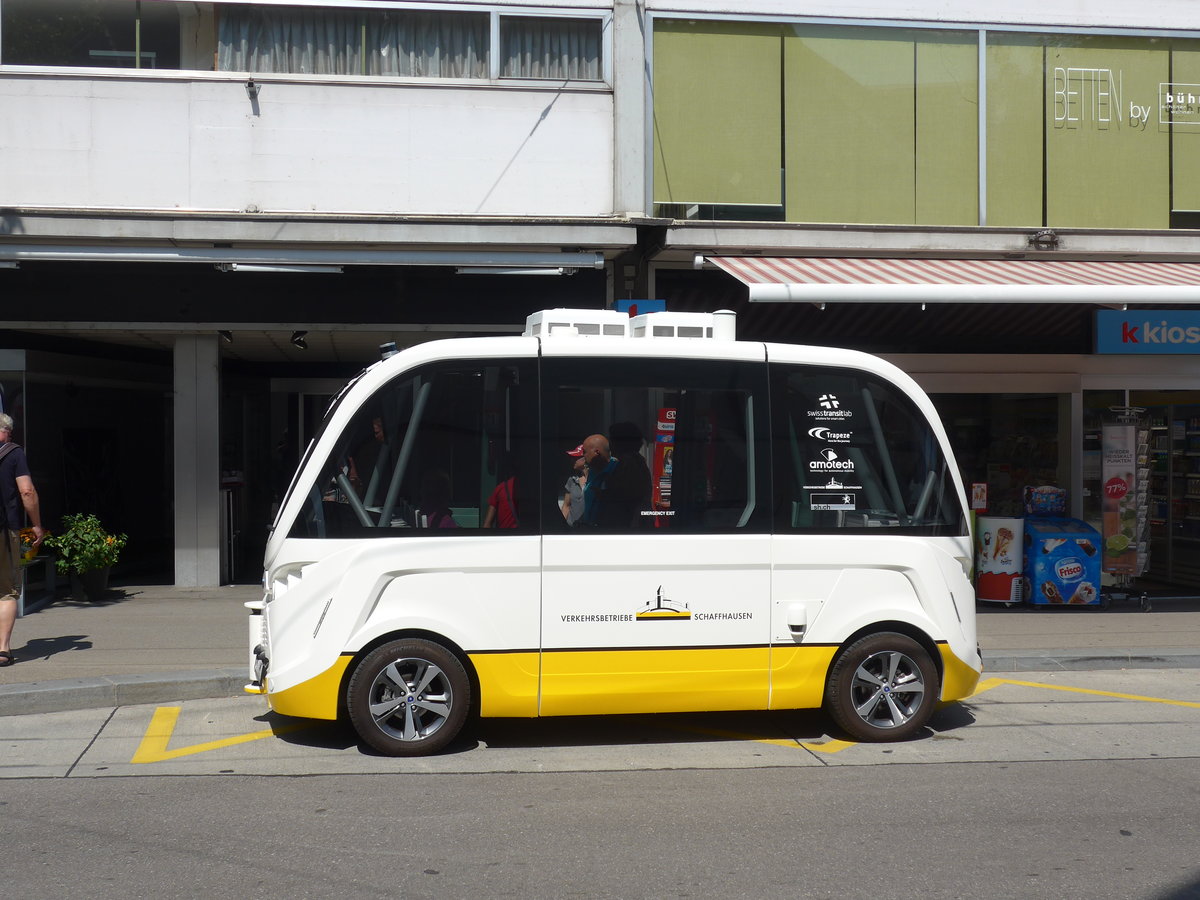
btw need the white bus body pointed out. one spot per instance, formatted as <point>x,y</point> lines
<point>774,527</point>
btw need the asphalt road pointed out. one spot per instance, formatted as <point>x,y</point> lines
<point>1079,784</point>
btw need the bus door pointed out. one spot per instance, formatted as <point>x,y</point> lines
<point>656,598</point>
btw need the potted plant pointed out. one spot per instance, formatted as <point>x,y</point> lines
<point>85,552</point>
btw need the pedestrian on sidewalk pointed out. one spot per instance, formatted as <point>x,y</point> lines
<point>16,493</point>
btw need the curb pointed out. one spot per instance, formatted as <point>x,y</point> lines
<point>118,690</point>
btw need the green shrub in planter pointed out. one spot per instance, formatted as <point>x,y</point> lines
<point>83,545</point>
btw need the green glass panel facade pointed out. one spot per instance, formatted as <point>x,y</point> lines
<point>848,118</point>
<point>947,114</point>
<point>1106,165</point>
<point>881,125</point>
<point>1015,116</point>
<point>1185,132</point>
<point>716,113</point>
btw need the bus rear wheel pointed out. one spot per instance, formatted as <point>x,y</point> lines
<point>408,698</point>
<point>882,688</point>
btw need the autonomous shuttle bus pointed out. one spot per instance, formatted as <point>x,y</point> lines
<point>619,515</point>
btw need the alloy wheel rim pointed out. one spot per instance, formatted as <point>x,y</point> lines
<point>888,689</point>
<point>411,699</point>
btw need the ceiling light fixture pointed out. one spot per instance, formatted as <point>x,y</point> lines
<point>298,340</point>
<point>226,336</point>
<point>263,267</point>
<point>515,270</point>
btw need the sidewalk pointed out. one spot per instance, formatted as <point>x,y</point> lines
<point>141,644</point>
<point>150,644</point>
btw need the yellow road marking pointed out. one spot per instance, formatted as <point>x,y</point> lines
<point>153,747</point>
<point>154,743</point>
<point>989,683</point>
<point>829,746</point>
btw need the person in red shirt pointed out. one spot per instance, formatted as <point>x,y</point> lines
<point>502,504</point>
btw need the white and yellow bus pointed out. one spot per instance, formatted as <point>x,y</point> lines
<point>771,527</point>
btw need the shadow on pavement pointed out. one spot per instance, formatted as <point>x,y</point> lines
<point>109,597</point>
<point>800,726</point>
<point>951,717</point>
<point>44,648</point>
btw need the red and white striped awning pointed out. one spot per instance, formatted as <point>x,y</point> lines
<point>826,279</point>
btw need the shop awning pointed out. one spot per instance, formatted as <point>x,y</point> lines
<point>850,280</point>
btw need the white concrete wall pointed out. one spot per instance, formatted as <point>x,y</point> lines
<point>1083,14</point>
<point>180,142</point>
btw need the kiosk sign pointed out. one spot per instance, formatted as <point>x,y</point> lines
<point>1147,331</point>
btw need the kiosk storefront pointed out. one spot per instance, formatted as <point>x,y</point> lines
<point>1024,418</point>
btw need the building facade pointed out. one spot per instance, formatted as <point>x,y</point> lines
<point>213,213</point>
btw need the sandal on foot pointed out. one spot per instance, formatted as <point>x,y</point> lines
<point>6,658</point>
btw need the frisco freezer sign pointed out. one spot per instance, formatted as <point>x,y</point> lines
<point>1147,331</point>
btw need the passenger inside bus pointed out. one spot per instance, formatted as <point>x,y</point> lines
<point>615,492</point>
<point>435,500</point>
<point>503,510</point>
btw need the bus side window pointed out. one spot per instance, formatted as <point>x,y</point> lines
<point>424,454</point>
<point>689,437</point>
<point>852,451</point>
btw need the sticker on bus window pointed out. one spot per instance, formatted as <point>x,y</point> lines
<point>833,485</point>
<point>829,407</point>
<point>822,502</point>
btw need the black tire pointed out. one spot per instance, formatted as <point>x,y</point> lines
<point>409,698</point>
<point>882,687</point>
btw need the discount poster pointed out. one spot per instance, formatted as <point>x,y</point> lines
<point>1118,502</point>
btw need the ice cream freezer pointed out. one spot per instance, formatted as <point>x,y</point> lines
<point>1062,562</point>
<point>998,559</point>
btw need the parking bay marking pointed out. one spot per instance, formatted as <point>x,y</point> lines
<point>988,683</point>
<point>830,746</point>
<point>154,744</point>
<point>153,747</point>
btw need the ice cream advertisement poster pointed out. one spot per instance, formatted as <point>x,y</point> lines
<point>1118,447</point>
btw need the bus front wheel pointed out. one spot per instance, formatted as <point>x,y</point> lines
<point>409,698</point>
<point>882,688</point>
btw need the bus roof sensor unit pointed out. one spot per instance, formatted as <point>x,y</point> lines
<point>572,322</point>
<point>721,325</point>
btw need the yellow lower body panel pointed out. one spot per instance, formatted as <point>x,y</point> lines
<point>316,698</point>
<point>508,684</point>
<point>593,682</point>
<point>958,679</point>
<point>798,676</point>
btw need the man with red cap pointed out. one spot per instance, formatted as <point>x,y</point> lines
<point>572,506</point>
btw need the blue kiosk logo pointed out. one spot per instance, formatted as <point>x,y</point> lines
<point>1143,331</point>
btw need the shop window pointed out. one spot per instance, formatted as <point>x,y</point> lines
<point>689,438</point>
<point>851,451</point>
<point>1008,441</point>
<point>428,453</point>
